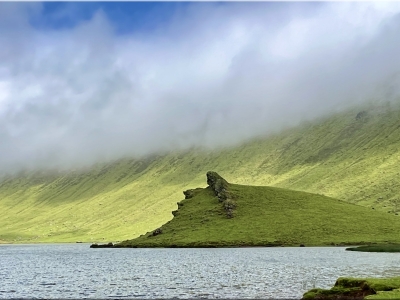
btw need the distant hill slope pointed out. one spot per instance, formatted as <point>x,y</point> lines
<point>353,156</point>
<point>224,214</point>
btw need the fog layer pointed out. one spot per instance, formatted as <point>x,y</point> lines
<point>215,76</point>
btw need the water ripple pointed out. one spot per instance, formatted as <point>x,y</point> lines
<point>72,271</point>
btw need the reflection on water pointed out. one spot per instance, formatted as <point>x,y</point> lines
<point>76,271</point>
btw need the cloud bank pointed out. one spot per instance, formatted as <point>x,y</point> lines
<point>215,76</point>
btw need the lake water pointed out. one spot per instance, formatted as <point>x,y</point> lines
<point>76,271</point>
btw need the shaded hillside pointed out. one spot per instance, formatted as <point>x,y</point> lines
<point>353,156</point>
<point>225,214</point>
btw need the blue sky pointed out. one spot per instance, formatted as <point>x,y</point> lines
<point>126,17</point>
<point>82,82</point>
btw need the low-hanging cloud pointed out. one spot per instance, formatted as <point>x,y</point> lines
<point>215,76</point>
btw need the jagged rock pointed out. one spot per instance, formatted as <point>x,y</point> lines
<point>221,189</point>
<point>188,194</point>
<point>219,185</point>
<point>191,193</point>
<point>361,115</point>
<point>214,179</point>
<point>229,204</point>
<point>157,232</point>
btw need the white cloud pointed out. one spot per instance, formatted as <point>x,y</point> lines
<point>216,76</point>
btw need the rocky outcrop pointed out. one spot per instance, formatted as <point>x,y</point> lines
<point>220,187</point>
<point>109,245</point>
<point>156,232</point>
<point>190,193</point>
<point>361,115</point>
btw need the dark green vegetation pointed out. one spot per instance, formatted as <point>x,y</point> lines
<point>377,248</point>
<point>266,216</point>
<point>349,156</point>
<point>358,288</point>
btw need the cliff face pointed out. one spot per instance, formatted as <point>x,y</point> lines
<point>221,189</point>
<point>218,184</point>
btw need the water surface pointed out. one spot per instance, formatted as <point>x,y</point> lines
<point>76,271</point>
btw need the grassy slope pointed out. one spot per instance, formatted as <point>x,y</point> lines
<point>341,157</point>
<point>269,215</point>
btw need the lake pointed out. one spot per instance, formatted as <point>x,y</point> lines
<point>76,271</point>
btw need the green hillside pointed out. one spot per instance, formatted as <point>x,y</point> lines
<point>261,216</point>
<point>353,156</point>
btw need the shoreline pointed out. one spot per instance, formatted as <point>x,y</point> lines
<point>118,245</point>
<point>115,245</point>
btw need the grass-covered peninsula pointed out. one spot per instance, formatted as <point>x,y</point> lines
<point>358,289</point>
<point>225,214</point>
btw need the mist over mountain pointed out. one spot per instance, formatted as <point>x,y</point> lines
<point>214,75</point>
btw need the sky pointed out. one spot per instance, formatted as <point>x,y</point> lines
<point>88,82</point>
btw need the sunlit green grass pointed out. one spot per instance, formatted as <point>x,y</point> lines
<point>359,288</point>
<point>353,160</point>
<point>271,216</point>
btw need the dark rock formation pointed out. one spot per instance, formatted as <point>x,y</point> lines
<point>219,185</point>
<point>191,193</point>
<point>229,213</point>
<point>361,115</point>
<point>157,232</point>
<point>220,188</point>
<point>188,194</point>
<point>109,245</point>
<point>229,206</point>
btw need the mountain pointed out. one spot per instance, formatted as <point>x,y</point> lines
<point>352,156</point>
